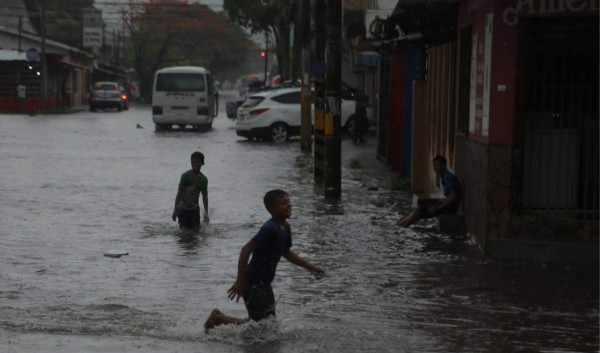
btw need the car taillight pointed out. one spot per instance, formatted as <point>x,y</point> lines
<point>157,110</point>
<point>258,111</point>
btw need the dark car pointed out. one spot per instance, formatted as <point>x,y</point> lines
<point>106,95</point>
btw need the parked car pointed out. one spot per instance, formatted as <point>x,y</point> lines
<point>275,115</point>
<point>106,95</point>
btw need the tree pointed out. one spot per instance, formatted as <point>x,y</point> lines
<point>63,19</point>
<point>62,27</point>
<point>175,32</point>
<point>268,16</point>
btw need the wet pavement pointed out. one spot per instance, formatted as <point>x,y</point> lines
<point>77,185</point>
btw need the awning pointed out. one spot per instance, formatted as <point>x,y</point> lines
<point>436,20</point>
<point>72,64</point>
<point>12,55</point>
<point>367,58</point>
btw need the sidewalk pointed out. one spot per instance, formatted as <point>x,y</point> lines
<point>361,160</point>
<point>62,110</point>
<point>49,111</point>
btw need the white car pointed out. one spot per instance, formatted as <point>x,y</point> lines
<point>106,95</point>
<point>275,115</point>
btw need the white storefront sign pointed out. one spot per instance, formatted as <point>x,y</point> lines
<point>92,28</point>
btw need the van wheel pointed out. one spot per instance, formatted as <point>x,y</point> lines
<point>279,132</point>
<point>160,127</point>
<point>206,127</point>
<point>350,126</point>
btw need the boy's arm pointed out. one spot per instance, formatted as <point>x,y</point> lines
<point>298,261</point>
<point>237,290</point>
<point>205,202</point>
<point>176,209</point>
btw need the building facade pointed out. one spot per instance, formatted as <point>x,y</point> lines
<point>67,78</point>
<point>507,90</point>
<point>527,126</point>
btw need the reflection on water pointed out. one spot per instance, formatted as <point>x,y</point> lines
<point>75,186</point>
<point>188,241</point>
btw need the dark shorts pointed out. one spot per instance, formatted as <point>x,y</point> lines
<point>260,302</point>
<point>424,211</point>
<point>189,219</point>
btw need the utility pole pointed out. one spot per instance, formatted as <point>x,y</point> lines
<point>305,98</point>
<point>43,58</point>
<point>266,56</point>
<point>319,70</point>
<point>115,45</point>
<point>333,126</point>
<point>291,49</point>
<point>20,30</point>
<point>123,38</point>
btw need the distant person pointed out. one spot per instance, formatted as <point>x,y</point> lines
<point>191,184</point>
<point>64,92</point>
<point>361,121</point>
<point>452,194</point>
<point>22,96</point>
<point>253,283</point>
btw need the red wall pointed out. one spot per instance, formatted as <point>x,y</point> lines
<point>503,73</point>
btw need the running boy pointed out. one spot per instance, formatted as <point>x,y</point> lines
<point>191,184</point>
<point>253,282</point>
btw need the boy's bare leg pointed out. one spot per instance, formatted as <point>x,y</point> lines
<point>217,318</point>
<point>408,220</point>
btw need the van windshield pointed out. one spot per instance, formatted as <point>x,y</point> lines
<point>180,83</point>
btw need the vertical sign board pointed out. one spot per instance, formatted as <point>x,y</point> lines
<point>481,69</point>
<point>92,28</point>
<point>487,69</point>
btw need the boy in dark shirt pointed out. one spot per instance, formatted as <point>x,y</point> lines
<point>191,185</point>
<point>452,194</point>
<point>253,283</point>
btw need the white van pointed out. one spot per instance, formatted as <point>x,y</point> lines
<point>182,96</point>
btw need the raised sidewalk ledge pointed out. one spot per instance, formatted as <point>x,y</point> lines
<point>447,223</point>
<point>543,251</point>
<point>53,110</point>
<point>420,199</point>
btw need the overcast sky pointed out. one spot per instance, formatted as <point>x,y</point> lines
<point>112,15</point>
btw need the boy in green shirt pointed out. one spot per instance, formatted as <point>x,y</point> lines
<point>191,184</point>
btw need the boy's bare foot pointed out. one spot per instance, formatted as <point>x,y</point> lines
<point>212,319</point>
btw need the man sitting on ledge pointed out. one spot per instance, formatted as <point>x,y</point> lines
<point>452,194</point>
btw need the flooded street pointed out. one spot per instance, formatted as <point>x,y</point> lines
<point>75,186</point>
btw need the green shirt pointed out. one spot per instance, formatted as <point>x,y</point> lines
<point>190,187</point>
